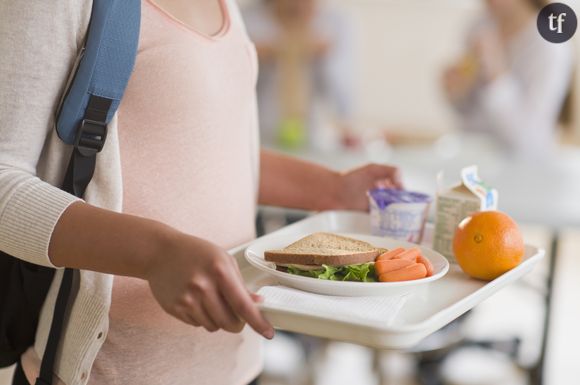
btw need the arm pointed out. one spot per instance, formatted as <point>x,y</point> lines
<point>32,77</point>
<point>192,279</point>
<point>293,183</point>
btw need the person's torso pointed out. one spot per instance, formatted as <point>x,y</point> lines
<point>295,85</point>
<point>187,132</point>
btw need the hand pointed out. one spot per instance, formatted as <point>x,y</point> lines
<point>355,183</point>
<point>200,284</point>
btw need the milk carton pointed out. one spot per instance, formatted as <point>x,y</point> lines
<point>456,203</point>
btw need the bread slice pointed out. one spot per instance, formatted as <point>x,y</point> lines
<point>325,248</point>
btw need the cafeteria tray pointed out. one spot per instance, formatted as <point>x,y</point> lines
<point>423,312</point>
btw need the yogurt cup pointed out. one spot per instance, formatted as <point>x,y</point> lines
<point>398,214</point>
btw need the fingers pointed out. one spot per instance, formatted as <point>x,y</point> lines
<point>196,315</point>
<point>221,313</point>
<point>384,183</point>
<point>386,175</point>
<point>223,302</point>
<point>190,320</point>
<point>395,177</point>
<point>235,266</point>
<point>255,297</point>
<point>208,307</point>
<point>243,305</point>
<point>212,312</point>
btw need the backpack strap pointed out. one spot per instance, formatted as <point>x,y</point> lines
<point>106,63</point>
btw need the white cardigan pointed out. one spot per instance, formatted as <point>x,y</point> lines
<point>39,41</point>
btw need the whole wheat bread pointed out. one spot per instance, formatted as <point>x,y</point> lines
<point>325,248</point>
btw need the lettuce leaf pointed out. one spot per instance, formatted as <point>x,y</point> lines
<point>364,272</point>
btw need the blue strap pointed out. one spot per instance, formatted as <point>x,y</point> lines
<point>106,64</point>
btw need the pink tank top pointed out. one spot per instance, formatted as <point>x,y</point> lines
<point>188,138</point>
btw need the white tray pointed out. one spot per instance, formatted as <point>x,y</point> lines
<point>424,312</point>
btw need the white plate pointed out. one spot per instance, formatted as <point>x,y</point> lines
<point>255,255</point>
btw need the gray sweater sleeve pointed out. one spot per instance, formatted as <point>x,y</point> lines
<point>38,49</point>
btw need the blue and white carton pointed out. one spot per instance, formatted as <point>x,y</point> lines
<point>458,202</point>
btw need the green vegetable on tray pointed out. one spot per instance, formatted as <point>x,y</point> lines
<point>364,272</point>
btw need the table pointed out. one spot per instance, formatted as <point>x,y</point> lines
<point>550,186</point>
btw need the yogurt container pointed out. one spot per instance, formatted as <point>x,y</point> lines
<point>398,214</point>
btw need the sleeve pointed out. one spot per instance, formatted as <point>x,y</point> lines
<point>523,110</point>
<point>39,41</point>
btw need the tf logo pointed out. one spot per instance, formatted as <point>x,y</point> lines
<point>557,22</point>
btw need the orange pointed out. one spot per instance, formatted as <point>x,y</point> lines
<point>487,244</point>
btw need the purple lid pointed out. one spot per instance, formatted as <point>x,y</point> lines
<point>385,196</point>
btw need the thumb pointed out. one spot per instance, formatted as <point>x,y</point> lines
<point>257,298</point>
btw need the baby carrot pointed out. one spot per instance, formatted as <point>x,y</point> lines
<point>390,254</point>
<point>409,273</point>
<point>410,254</point>
<point>428,265</point>
<point>388,265</point>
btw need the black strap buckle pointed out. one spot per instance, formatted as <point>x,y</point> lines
<point>91,137</point>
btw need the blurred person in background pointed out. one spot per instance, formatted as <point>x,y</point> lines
<point>510,82</point>
<point>305,84</point>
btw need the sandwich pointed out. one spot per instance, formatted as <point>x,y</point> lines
<point>328,256</point>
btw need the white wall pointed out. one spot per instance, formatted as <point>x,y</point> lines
<point>403,46</point>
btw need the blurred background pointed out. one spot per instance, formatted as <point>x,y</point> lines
<point>435,86</point>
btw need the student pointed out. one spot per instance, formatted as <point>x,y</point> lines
<point>158,299</point>
<point>305,87</point>
<point>511,83</point>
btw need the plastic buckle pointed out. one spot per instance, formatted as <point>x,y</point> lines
<point>91,137</point>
